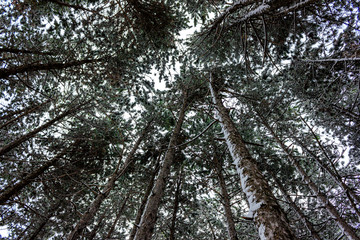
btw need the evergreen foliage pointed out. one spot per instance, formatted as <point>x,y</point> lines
<point>90,146</point>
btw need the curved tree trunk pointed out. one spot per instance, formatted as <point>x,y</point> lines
<point>269,218</point>
<point>93,232</point>
<point>149,216</point>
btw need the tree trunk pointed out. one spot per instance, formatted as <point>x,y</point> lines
<point>118,215</point>
<point>44,221</point>
<point>149,216</point>
<point>175,206</point>
<point>4,73</point>
<point>225,200</point>
<point>302,216</point>
<point>24,113</point>
<point>17,187</point>
<point>93,232</point>
<point>95,205</point>
<point>269,218</point>
<point>335,176</point>
<point>31,134</point>
<point>347,229</point>
<point>143,202</point>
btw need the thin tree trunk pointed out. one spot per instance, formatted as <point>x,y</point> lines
<point>23,51</point>
<point>4,73</point>
<point>44,221</point>
<point>144,200</point>
<point>269,218</point>
<point>97,227</point>
<point>346,228</point>
<point>149,216</point>
<point>175,207</point>
<point>304,219</point>
<point>31,134</point>
<point>17,187</point>
<point>23,114</point>
<point>299,212</point>
<point>95,205</point>
<point>118,215</point>
<point>20,236</point>
<point>226,200</point>
<point>335,176</point>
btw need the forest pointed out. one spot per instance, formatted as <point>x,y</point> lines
<point>180,120</point>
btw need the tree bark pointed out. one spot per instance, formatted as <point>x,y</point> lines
<point>298,211</point>
<point>143,202</point>
<point>93,232</point>
<point>149,216</point>
<point>17,187</point>
<point>95,205</point>
<point>4,73</point>
<point>118,215</point>
<point>226,200</point>
<point>29,110</point>
<point>175,207</point>
<point>269,218</point>
<point>44,221</point>
<point>23,51</point>
<point>346,228</point>
<point>335,176</point>
<point>31,134</point>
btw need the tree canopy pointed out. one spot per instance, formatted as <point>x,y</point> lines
<point>116,124</point>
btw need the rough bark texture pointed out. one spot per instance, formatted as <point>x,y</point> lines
<point>346,228</point>
<point>31,134</point>
<point>88,216</point>
<point>269,218</point>
<point>149,217</point>
<point>143,202</point>
<point>16,188</point>
<point>225,201</point>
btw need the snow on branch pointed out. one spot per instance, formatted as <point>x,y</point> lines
<point>263,8</point>
<point>331,60</point>
<point>237,5</point>
<point>296,6</point>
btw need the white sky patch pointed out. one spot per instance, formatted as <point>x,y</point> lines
<point>186,33</point>
<point>154,76</point>
<point>4,232</point>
